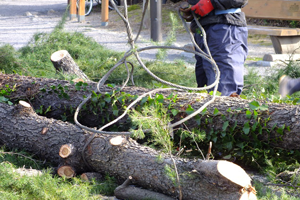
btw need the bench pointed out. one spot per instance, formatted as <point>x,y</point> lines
<point>285,40</point>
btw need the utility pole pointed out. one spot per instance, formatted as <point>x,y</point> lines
<point>155,18</point>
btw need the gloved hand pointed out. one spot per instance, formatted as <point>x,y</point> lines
<point>186,11</point>
<point>203,7</point>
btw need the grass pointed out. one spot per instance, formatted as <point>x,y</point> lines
<point>263,40</point>
<point>46,186</point>
<point>95,61</point>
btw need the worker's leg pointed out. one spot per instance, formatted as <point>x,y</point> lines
<point>288,86</point>
<point>199,70</point>
<point>228,46</point>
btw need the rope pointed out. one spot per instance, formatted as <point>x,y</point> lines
<point>174,87</point>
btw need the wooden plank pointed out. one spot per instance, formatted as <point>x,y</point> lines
<point>273,9</point>
<point>276,31</point>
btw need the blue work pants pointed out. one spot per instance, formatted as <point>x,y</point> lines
<point>228,47</point>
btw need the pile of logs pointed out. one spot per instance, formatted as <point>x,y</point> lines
<point>65,144</point>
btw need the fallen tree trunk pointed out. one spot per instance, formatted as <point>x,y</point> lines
<point>38,92</point>
<point>22,128</point>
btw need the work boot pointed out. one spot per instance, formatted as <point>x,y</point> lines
<point>235,95</point>
<point>284,88</point>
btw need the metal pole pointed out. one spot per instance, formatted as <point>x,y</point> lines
<point>81,11</point>
<point>73,9</point>
<point>104,13</point>
<point>155,18</point>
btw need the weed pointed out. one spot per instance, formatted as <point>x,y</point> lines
<point>154,117</point>
<point>6,91</point>
<point>294,24</point>
<point>9,62</point>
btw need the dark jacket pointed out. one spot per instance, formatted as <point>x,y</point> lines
<point>237,19</point>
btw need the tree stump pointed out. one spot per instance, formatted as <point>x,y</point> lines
<point>62,61</point>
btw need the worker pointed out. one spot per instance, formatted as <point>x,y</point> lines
<point>226,31</point>
<point>288,85</point>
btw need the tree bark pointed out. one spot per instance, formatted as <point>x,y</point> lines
<point>37,92</point>
<point>22,128</point>
<point>63,62</point>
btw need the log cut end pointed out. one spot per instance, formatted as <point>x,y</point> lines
<point>66,150</point>
<point>58,55</point>
<point>24,104</point>
<point>66,171</point>
<point>62,61</point>
<point>234,173</point>
<point>117,141</point>
<point>237,175</point>
<point>89,176</point>
<point>24,108</point>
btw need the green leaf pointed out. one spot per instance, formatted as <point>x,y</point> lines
<point>227,157</point>
<point>233,127</point>
<point>214,139</point>
<point>260,129</point>
<point>115,110</point>
<point>253,105</point>
<point>189,110</point>
<point>66,96</point>
<point>241,145</point>
<point>3,99</point>
<point>94,94</point>
<point>225,125</point>
<point>263,107</point>
<point>111,85</point>
<point>246,128</point>
<point>248,114</point>
<point>48,109</point>
<point>107,98</point>
<point>255,114</point>
<point>228,145</point>
<point>174,112</point>
<point>223,134</point>
<point>144,100</point>
<point>216,111</point>
<point>254,126</point>
<point>204,111</point>
<point>159,98</point>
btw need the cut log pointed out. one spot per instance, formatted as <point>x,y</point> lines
<point>62,61</point>
<point>89,176</point>
<point>66,171</point>
<point>199,179</point>
<point>126,191</point>
<point>66,150</point>
<point>279,115</point>
<point>28,172</point>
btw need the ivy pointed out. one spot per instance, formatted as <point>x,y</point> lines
<point>6,91</point>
